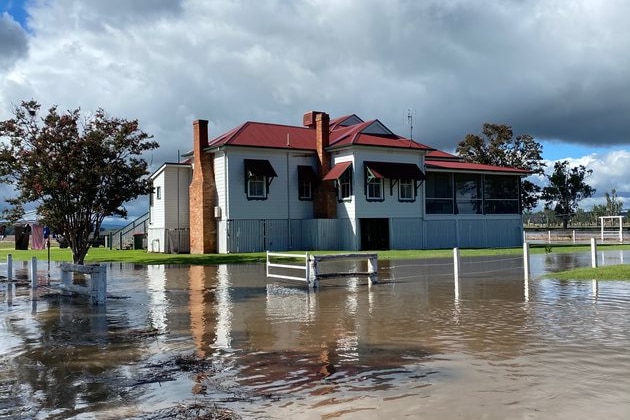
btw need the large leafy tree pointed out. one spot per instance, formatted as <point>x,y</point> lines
<point>567,187</point>
<point>497,145</point>
<point>76,170</point>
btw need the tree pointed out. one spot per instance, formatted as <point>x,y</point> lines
<point>566,188</point>
<point>77,171</point>
<point>499,147</point>
<point>613,206</point>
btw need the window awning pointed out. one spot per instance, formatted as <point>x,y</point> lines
<point>259,167</point>
<point>393,170</point>
<point>306,173</point>
<point>337,171</point>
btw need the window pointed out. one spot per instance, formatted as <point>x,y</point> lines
<point>341,174</point>
<point>345,185</point>
<point>439,193</point>
<point>407,190</point>
<point>305,189</point>
<point>258,177</point>
<point>468,197</point>
<point>257,186</point>
<point>158,193</point>
<point>472,194</point>
<point>306,179</point>
<point>501,194</point>
<point>373,186</point>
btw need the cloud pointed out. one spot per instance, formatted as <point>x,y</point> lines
<point>554,69</point>
<point>610,172</point>
<point>13,42</point>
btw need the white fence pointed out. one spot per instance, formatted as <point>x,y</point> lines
<point>92,281</point>
<point>575,236</point>
<point>311,267</point>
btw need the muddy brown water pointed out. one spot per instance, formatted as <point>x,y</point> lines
<point>413,346</point>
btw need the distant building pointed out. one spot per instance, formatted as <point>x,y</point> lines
<point>341,184</point>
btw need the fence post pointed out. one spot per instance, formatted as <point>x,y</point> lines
<point>573,235</point>
<point>549,236</point>
<point>98,278</point>
<point>313,277</point>
<point>66,281</point>
<point>9,267</point>
<point>593,252</point>
<point>34,272</point>
<point>526,260</point>
<point>456,271</point>
<point>307,268</point>
<point>372,268</point>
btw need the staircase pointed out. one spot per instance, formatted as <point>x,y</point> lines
<point>124,237</point>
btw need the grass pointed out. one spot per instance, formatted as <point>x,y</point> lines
<point>609,272</point>
<point>97,255</point>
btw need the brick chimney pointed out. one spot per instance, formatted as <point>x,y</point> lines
<point>202,194</point>
<point>325,200</point>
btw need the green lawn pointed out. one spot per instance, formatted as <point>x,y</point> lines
<point>609,272</point>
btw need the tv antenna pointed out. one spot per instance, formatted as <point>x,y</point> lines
<point>411,114</point>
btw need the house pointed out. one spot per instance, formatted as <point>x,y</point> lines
<point>169,226</point>
<point>340,184</point>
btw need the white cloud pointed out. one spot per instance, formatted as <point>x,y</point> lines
<point>610,172</point>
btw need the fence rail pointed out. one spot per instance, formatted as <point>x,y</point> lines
<point>312,269</point>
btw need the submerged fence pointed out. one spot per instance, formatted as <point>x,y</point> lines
<point>304,267</point>
<point>91,282</point>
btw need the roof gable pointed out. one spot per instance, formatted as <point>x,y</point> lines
<point>371,133</point>
<point>345,121</point>
<point>377,128</point>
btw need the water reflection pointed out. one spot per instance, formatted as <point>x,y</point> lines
<point>406,344</point>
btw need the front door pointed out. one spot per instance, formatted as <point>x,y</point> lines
<point>374,234</point>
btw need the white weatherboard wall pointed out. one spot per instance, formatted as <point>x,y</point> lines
<point>221,183</point>
<point>282,200</point>
<point>390,206</point>
<point>171,210</point>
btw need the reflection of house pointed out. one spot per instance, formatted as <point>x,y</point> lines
<point>334,184</point>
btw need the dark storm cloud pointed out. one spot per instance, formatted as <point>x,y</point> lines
<point>554,69</point>
<point>13,41</point>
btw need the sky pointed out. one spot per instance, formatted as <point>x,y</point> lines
<point>555,69</point>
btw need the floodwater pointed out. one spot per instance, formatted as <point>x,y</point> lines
<point>415,345</point>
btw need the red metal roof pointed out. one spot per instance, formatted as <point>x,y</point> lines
<point>267,135</point>
<point>353,135</point>
<point>337,171</point>
<point>438,154</point>
<point>476,167</point>
<point>257,134</point>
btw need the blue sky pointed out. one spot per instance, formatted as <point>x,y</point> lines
<point>555,70</point>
